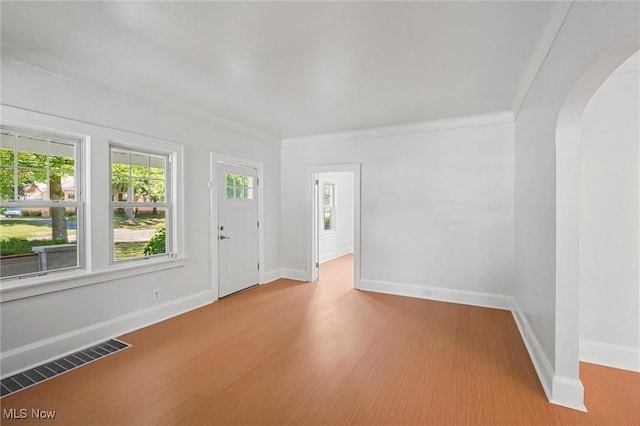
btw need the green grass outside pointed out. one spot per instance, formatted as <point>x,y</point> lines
<point>21,246</point>
<point>142,221</point>
<point>128,250</point>
<point>26,229</point>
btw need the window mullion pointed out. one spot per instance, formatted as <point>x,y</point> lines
<point>130,183</point>
<point>15,166</point>
<point>48,169</point>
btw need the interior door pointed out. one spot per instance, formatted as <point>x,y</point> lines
<point>237,228</point>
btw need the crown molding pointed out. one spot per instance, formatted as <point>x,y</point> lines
<point>541,52</point>
<point>502,117</point>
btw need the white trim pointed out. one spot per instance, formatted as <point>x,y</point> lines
<point>567,257</point>
<point>44,122</point>
<point>486,300</point>
<point>216,158</point>
<point>335,254</point>
<point>568,392</point>
<point>94,200</point>
<point>559,390</point>
<point>311,234</point>
<point>172,168</point>
<point>294,274</point>
<point>501,117</point>
<point>57,281</point>
<point>270,276</point>
<point>616,356</point>
<point>37,353</point>
<point>538,357</point>
<point>540,53</point>
<point>81,202</point>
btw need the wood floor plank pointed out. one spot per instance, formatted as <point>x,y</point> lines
<point>292,353</point>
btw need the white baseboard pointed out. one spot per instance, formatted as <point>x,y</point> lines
<point>538,357</point>
<point>37,353</point>
<point>325,257</point>
<point>270,276</point>
<point>486,300</point>
<point>559,390</point>
<point>616,356</point>
<point>568,392</point>
<point>294,274</point>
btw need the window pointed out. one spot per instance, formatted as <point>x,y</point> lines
<point>139,203</point>
<point>329,206</point>
<point>40,202</point>
<point>239,187</point>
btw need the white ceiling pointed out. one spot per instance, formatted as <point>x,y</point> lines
<point>290,69</point>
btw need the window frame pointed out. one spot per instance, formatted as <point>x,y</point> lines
<point>79,201</point>
<point>331,207</point>
<point>168,204</point>
<point>94,157</point>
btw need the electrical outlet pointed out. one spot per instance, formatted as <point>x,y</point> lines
<point>428,293</point>
<point>155,295</point>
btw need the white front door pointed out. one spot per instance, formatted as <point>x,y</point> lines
<point>237,228</point>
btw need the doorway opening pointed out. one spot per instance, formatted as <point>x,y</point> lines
<point>333,219</point>
<point>567,389</point>
<point>610,222</point>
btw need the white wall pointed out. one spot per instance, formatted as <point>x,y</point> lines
<point>609,223</point>
<point>47,325</point>
<point>436,212</point>
<point>339,241</point>
<point>588,31</point>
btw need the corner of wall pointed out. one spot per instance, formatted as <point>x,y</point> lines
<point>560,390</point>
<point>538,357</point>
<point>270,276</point>
<point>294,274</point>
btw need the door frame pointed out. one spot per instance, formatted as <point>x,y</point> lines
<point>312,206</point>
<point>216,159</point>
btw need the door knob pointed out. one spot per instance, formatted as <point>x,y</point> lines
<point>224,237</point>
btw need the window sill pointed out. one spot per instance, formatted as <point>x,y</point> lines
<point>57,281</point>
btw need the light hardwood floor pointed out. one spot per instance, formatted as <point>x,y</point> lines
<point>325,354</point>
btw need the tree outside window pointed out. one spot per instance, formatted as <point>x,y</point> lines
<point>139,200</point>
<point>38,182</point>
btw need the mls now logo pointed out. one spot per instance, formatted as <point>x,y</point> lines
<point>23,413</point>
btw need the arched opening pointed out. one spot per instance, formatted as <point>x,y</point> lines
<point>609,221</point>
<point>566,383</point>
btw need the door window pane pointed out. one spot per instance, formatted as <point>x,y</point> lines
<point>239,187</point>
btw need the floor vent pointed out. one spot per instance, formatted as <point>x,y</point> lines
<point>47,371</point>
